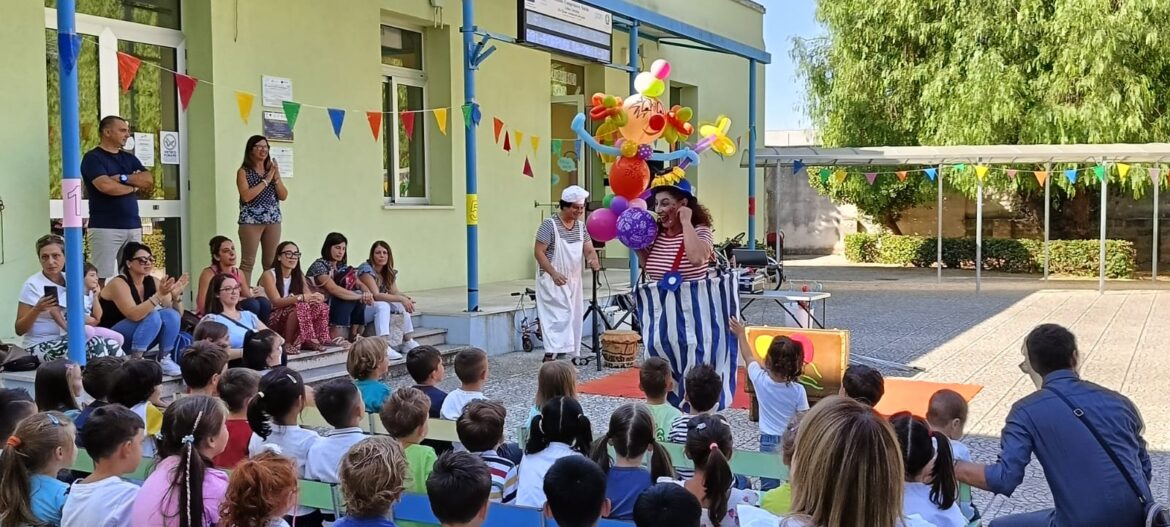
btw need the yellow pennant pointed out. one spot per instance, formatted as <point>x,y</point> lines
<point>519,137</point>
<point>840,175</point>
<point>980,172</point>
<point>1122,169</point>
<point>441,118</point>
<point>535,144</point>
<point>244,101</point>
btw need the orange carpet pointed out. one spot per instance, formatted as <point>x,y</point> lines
<point>901,394</point>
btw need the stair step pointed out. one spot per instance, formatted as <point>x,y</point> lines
<point>430,336</point>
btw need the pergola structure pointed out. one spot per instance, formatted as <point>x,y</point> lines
<point>931,156</point>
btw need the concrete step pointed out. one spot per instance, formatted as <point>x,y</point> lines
<point>430,336</point>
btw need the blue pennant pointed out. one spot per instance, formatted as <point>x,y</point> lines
<point>68,50</point>
<point>797,166</point>
<point>931,173</point>
<point>1071,175</point>
<point>337,116</point>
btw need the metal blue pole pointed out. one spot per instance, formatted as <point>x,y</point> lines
<point>633,63</point>
<point>469,67</point>
<point>67,52</point>
<point>751,226</point>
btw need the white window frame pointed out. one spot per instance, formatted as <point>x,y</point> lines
<point>396,76</point>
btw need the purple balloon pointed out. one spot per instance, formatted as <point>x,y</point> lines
<point>636,228</point>
<point>619,205</point>
<point>602,225</point>
<point>638,203</point>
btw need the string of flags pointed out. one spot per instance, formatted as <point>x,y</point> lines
<point>1072,175</point>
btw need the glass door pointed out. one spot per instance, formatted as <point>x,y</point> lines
<point>151,106</point>
<point>566,151</point>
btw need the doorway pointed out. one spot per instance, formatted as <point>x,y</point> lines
<point>151,106</point>
<point>565,149</point>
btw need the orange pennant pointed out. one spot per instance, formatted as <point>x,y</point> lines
<point>498,125</point>
<point>375,119</point>
<point>901,175</point>
<point>1041,176</point>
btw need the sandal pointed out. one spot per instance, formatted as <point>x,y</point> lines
<point>289,349</point>
<point>340,342</point>
<point>548,357</point>
<point>312,345</point>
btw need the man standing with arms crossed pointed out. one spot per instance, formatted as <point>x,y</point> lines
<point>112,179</point>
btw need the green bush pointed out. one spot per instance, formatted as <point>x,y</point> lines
<point>1069,257</point>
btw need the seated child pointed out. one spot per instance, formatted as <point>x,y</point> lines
<point>104,499</point>
<point>458,489</point>
<point>42,444</point>
<point>201,366</point>
<point>405,418</point>
<point>96,378</point>
<point>213,332</point>
<point>367,364</point>
<point>471,366</point>
<point>555,379</point>
<point>15,405</point>
<point>931,489</point>
<point>192,433</point>
<point>340,404</point>
<point>425,365</point>
<point>263,350</point>
<point>631,434</point>
<point>561,430</point>
<point>778,501</point>
<point>655,381</point>
<point>575,487</point>
<point>703,385</point>
<point>273,414</point>
<point>948,414</point>
<point>481,431</point>
<point>370,489</point>
<point>93,310</point>
<point>260,491</point>
<point>56,387</point>
<point>710,446</point>
<point>236,389</point>
<point>667,505</point>
<point>138,386</point>
<point>863,384</point>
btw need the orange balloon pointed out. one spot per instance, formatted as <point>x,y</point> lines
<point>629,176</point>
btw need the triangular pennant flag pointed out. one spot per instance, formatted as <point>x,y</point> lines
<point>507,144</point>
<point>557,145</point>
<point>1099,171</point>
<point>527,167</point>
<point>901,175</point>
<point>871,177</point>
<point>292,110</point>
<point>1154,173</point>
<point>1071,175</point>
<point>186,87</point>
<point>244,103</point>
<point>1041,176</point>
<point>466,115</point>
<point>840,175</point>
<point>497,125</point>
<point>535,144</point>
<point>519,137</point>
<point>1122,169</point>
<point>960,167</point>
<point>375,119</point>
<point>797,166</point>
<point>127,69</point>
<point>825,175</point>
<point>337,117</point>
<point>931,173</point>
<point>980,172</point>
<point>407,123</point>
<point>441,119</point>
<point>1011,173</point>
<point>69,49</point>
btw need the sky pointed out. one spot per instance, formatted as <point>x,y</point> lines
<point>784,20</point>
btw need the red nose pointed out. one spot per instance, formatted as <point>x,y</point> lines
<point>657,123</point>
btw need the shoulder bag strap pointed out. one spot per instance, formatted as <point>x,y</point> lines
<point>1077,411</point>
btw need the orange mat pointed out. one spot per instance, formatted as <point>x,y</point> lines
<point>901,394</point>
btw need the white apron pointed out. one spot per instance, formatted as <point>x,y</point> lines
<point>562,308</point>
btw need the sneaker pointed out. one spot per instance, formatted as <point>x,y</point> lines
<point>408,345</point>
<point>392,355</point>
<point>169,367</point>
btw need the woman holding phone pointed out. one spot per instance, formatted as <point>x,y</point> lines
<point>40,314</point>
<point>261,191</point>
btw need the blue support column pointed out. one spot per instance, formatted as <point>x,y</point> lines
<point>633,63</point>
<point>469,67</point>
<point>751,226</point>
<point>68,50</point>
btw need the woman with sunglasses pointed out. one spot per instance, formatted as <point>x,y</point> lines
<point>144,309</point>
<point>223,261</point>
<point>299,314</point>
<point>261,191</point>
<point>40,313</point>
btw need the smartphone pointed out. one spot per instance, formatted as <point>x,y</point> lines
<point>51,290</point>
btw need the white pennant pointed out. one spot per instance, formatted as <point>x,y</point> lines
<point>1154,173</point>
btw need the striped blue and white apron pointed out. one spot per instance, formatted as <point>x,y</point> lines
<point>687,325</point>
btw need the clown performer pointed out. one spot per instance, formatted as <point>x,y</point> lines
<point>560,302</point>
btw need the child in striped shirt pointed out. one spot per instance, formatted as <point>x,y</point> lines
<point>481,430</point>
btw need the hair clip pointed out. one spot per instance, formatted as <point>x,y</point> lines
<point>188,439</point>
<point>291,378</point>
<point>260,394</point>
<point>13,441</point>
<point>701,426</point>
<point>53,419</point>
<point>714,446</point>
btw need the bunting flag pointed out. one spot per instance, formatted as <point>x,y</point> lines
<point>507,144</point>
<point>407,124</point>
<point>981,172</point>
<point>1011,173</point>
<point>337,117</point>
<point>186,86</point>
<point>528,168</point>
<point>244,103</point>
<point>557,145</point>
<point>467,114</point>
<point>1041,176</point>
<point>1099,171</point>
<point>797,166</point>
<point>441,119</point>
<point>825,175</point>
<point>375,119</point>
<point>292,110</point>
<point>871,177</point>
<point>69,49</point>
<point>1122,170</point>
<point>519,137</point>
<point>960,167</point>
<point>535,144</point>
<point>1071,175</point>
<point>127,69</point>
<point>840,175</point>
<point>931,173</point>
<point>497,125</point>
<point>1154,173</point>
<point>901,175</point>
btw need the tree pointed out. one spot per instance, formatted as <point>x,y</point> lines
<point>948,72</point>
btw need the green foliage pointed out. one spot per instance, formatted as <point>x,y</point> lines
<point>885,200</point>
<point>1066,257</point>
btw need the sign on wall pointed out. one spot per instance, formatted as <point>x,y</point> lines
<point>826,355</point>
<point>568,27</point>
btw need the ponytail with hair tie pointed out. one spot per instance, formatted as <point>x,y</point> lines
<point>714,446</point>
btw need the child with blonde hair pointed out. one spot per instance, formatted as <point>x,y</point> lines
<point>367,364</point>
<point>260,491</point>
<point>372,476</point>
<point>41,446</point>
<point>555,379</point>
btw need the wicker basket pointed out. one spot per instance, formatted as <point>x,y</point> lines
<point>619,348</point>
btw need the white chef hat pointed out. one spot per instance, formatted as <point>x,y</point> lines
<point>574,194</point>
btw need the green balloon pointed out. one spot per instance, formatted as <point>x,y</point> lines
<point>607,200</point>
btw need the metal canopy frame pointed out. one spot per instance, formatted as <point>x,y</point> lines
<point>789,156</point>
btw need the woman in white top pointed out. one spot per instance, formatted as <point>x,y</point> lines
<point>222,306</point>
<point>561,430</point>
<point>381,278</point>
<point>299,314</point>
<point>927,456</point>
<point>709,445</point>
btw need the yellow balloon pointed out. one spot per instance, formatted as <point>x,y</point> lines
<point>629,148</point>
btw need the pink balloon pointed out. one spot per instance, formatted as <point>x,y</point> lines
<point>638,203</point>
<point>602,225</point>
<point>619,205</point>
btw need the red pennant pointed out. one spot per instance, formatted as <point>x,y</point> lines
<point>375,119</point>
<point>507,144</point>
<point>186,86</point>
<point>499,125</point>
<point>127,69</point>
<point>407,123</point>
<point>527,167</point>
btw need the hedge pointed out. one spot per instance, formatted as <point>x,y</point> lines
<point>1067,257</point>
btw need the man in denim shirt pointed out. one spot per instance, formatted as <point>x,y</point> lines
<point>1086,486</point>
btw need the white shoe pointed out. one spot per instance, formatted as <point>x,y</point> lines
<point>169,367</point>
<point>392,355</point>
<point>409,345</point>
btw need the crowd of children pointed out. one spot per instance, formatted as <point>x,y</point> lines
<point>247,421</point>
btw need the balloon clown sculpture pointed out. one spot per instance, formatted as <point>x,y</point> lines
<point>625,140</point>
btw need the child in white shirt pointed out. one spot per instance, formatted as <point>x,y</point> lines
<point>340,403</point>
<point>273,414</point>
<point>471,366</point>
<point>113,438</point>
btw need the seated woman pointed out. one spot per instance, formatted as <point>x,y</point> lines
<point>144,309</point>
<point>299,314</point>
<point>223,261</point>
<point>40,315</point>
<point>224,307</point>
<point>380,276</point>
<point>347,296</point>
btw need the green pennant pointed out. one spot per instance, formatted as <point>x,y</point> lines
<point>1099,171</point>
<point>825,173</point>
<point>292,109</point>
<point>960,167</point>
<point>467,115</point>
<point>557,146</point>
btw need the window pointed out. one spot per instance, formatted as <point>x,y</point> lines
<point>159,13</point>
<point>404,159</point>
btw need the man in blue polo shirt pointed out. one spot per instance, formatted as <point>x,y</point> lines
<point>112,179</point>
<point>1087,487</point>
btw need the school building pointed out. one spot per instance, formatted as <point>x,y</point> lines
<point>378,147</point>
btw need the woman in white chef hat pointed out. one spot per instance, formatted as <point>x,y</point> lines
<point>561,243</point>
